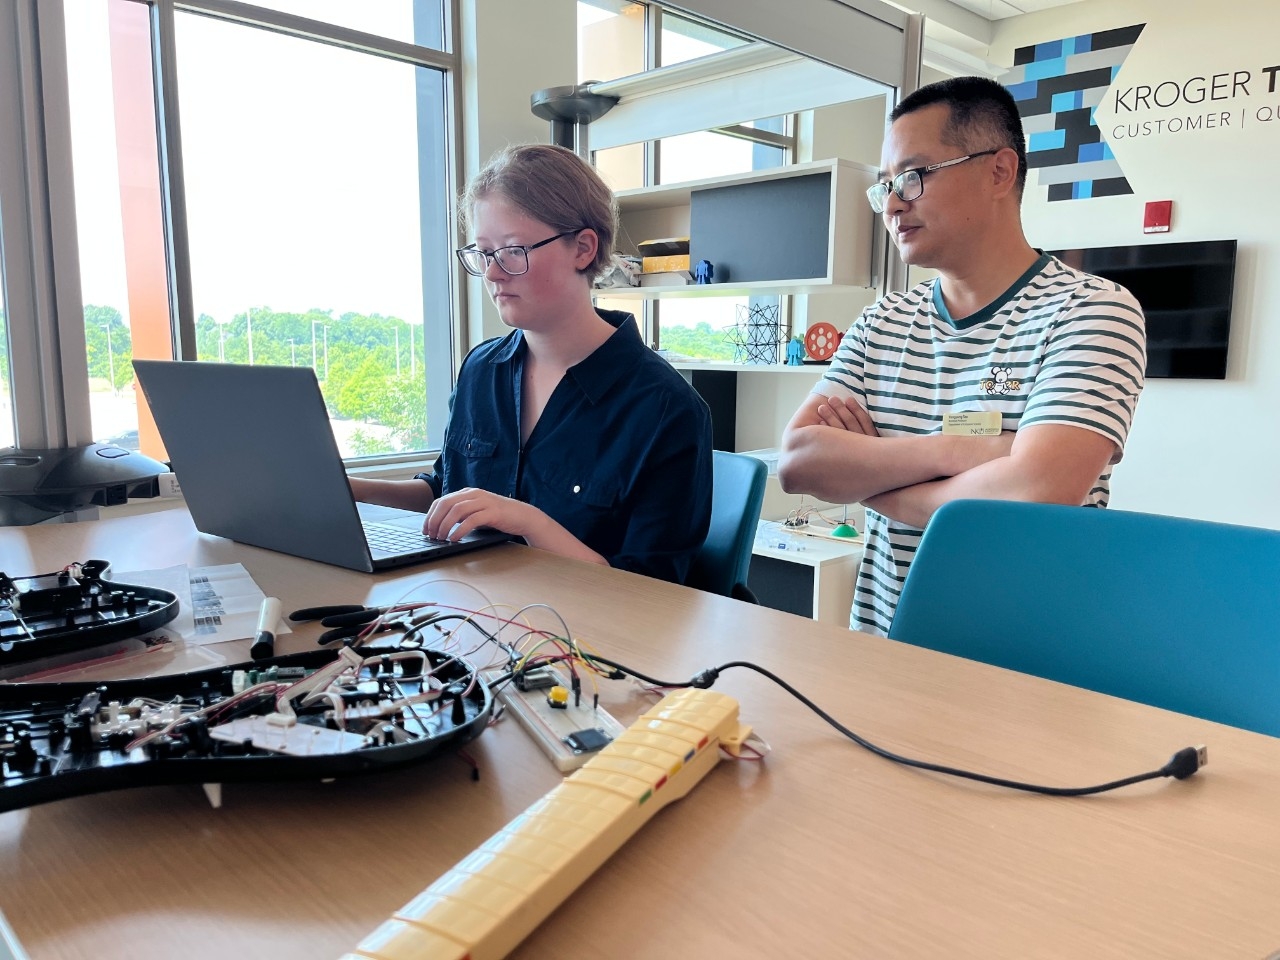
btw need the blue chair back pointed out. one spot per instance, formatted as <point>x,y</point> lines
<point>1181,614</point>
<point>737,491</point>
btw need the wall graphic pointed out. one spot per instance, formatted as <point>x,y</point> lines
<point>1058,85</point>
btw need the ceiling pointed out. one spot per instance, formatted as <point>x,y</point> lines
<point>1000,9</point>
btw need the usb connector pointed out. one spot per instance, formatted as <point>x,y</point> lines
<point>1186,762</point>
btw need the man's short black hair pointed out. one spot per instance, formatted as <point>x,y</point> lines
<point>984,115</point>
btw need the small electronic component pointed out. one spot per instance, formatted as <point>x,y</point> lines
<point>539,678</point>
<point>45,593</point>
<point>589,740</point>
<point>241,679</point>
<point>558,697</point>
<point>135,717</point>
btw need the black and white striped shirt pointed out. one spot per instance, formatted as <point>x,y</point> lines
<point>1060,346</point>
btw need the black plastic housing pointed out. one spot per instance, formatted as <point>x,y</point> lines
<point>76,608</point>
<point>47,751</point>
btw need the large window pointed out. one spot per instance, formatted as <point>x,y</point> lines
<point>683,39</point>
<point>706,329</point>
<point>612,44</point>
<point>611,39</point>
<point>305,220</point>
<point>265,184</point>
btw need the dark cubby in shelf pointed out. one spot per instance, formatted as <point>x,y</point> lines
<point>767,230</point>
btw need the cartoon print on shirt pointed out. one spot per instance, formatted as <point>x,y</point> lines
<point>1000,383</point>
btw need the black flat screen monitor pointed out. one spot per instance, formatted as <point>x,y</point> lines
<point>1185,292</point>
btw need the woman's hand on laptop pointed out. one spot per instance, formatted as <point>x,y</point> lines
<point>457,514</point>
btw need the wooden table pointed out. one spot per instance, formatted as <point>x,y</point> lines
<point>821,851</point>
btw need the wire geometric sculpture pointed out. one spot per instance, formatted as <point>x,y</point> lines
<point>756,335</point>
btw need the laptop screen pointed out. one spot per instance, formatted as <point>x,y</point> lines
<point>255,455</point>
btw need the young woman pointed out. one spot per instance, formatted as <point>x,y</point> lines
<point>568,431</point>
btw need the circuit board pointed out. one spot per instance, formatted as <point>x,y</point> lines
<point>571,731</point>
<point>318,714</point>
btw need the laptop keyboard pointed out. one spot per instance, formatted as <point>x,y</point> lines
<point>392,539</point>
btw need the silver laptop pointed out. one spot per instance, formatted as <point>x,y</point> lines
<point>257,462</point>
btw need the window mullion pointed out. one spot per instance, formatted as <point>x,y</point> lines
<point>766,137</point>
<point>172,185</point>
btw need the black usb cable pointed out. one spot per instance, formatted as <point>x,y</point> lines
<point>1181,765</point>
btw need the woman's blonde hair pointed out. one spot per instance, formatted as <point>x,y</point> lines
<point>554,186</point>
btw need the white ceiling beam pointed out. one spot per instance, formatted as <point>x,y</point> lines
<point>863,36</point>
<point>735,86</point>
<point>952,16</point>
<point>956,62</point>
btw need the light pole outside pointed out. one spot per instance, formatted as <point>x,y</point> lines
<point>111,359</point>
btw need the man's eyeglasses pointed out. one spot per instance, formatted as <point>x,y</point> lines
<point>513,259</point>
<point>909,184</point>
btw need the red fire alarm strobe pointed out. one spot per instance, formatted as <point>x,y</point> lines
<point>1158,215</point>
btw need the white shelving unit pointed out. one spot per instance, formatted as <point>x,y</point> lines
<point>762,288</point>
<point>651,213</point>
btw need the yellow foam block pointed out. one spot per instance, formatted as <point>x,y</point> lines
<point>667,264</point>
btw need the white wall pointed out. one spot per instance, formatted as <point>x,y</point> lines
<point>1204,449</point>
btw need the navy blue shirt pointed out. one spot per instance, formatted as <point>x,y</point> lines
<point>620,457</point>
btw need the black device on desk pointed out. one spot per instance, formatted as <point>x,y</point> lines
<point>74,609</point>
<point>303,716</point>
<point>258,463</point>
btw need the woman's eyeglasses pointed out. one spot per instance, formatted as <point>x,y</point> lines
<point>513,259</point>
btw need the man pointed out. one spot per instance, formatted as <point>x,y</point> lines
<point>1044,361</point>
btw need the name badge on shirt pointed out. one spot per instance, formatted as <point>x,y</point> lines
<point>971,423</point>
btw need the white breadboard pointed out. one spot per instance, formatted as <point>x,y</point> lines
<point>550,726</point>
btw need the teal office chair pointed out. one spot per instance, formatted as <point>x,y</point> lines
<point>737,491</point>
<point>1180,614</point>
